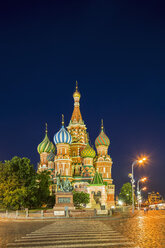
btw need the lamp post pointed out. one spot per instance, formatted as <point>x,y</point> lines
<point>143,189</point>
<point>139,191</point>
<point>132,179</point>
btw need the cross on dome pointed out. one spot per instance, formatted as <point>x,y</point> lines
<point>102,126</point>
<point>62,120</point>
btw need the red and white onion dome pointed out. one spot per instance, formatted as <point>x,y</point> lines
<point>102,139</point>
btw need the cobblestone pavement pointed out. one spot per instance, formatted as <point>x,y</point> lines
<point>145,230</point>
<point>11,230</point>
<point>141,231</point>
<point>74,233</point>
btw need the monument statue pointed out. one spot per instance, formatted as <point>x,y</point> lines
<point>63,186</point>
<point>67,186</point>
<point>64,195</point>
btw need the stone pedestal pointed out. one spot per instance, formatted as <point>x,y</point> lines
<point>63,200</point>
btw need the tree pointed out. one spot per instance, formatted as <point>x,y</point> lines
<point>16,178</point>
<point>21,186</point>
<point>126,194</point>
<point>43,185</point>
<point>80,198</point>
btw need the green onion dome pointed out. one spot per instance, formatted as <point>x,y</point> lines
<point>102,139</point>
<point>46,145</point>
<point>88,152</point>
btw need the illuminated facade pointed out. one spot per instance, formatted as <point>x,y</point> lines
<point>154,198</point>
<point>72,157</point>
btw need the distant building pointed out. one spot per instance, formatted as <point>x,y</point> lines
<point>74,158</point>
<point>154,198</point>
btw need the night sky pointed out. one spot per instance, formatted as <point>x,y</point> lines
<point>116,52</point>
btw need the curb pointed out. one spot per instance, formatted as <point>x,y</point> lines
<point>70,218</point>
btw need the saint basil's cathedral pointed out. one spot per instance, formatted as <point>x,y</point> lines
<point>72,157</point>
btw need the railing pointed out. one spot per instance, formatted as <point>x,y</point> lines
<point>51,213</point>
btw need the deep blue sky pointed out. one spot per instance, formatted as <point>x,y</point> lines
<point>115,49</point>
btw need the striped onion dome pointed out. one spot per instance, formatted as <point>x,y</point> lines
<point>46,145</point>
<point>51,156</point>
<point>102,139</point>
<point>88,152</point>
<point>62,136</point>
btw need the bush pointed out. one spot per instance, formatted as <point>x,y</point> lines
<point>80,198</point>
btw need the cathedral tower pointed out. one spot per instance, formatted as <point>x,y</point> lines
<point>44,149</point>
<point>77,129</point>
<point>63,162</point>
<point>104,162</point>
<point>88,170</point>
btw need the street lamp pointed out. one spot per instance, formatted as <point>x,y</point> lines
<point>140,161</point>
<point>143,189</point>
<point>143,179</point>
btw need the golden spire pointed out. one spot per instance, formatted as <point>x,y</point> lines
<point>46,128</point>
<point>102,126</point>
<point>76,115</point>
<point>76,93</point>
<point>76,86</point>
<point>62,120</point>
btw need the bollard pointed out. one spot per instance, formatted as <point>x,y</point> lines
<point>66,212</point>
<point>7,213</point>
<point>42,213</point>
<point>27,213</point>
<point>16,214</point>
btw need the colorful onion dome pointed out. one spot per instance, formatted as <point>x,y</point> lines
<point>102,139</point>
<point>46,145</point>
<point>51,156</point>
<point>62,136</point>
<point>76,93</point>
<point>88,152</point>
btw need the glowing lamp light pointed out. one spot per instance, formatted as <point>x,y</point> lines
<point>144,188</point>
<point>120,203</point>
<point>142,160</point>
<point>143,179</point>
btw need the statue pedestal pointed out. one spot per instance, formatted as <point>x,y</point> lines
<point>63,200</point>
